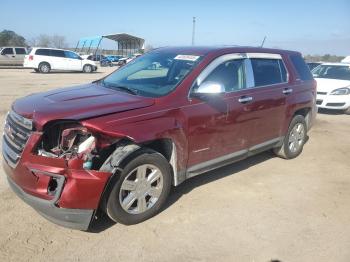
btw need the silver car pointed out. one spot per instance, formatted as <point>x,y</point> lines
<point>12,56</point>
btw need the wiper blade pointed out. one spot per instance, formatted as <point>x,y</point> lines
<point>123,88</point>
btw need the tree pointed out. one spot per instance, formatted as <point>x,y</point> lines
<point>43,40</point>
<point>58,41</point>
<point>10,38</point>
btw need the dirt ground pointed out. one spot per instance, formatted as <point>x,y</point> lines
<point>260,209</point>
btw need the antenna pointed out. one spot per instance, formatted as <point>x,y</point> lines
<point>193,29</point>
<point>263,42</point>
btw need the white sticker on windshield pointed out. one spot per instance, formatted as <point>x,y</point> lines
<point>187,57</point>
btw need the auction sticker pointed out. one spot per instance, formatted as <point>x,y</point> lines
<point>187,57</point>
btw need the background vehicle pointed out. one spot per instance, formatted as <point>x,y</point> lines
<point>44,60</point>
<point>114,58</point>
<point>312,65</point>
<point>12,56</point>
<point>120,143</point>
<point>104,61</point>
<point>346,60</point>
<point>333,86</point>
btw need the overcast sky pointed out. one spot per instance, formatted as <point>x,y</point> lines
<point>312,27</point>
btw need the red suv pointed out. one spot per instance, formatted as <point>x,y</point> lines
<point>120,143</point>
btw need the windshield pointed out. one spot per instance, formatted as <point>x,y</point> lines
<point>332,72</point>
<point>154,74</point>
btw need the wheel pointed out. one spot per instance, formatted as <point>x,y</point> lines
<point>87,69</point>
<point>347,111</point>
<point>141,190</point>
<point>44,68</point>
<point>294,140</point>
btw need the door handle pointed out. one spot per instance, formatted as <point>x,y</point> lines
<point>287,91</point>
<point>13,56</point>
<point>245,99</point>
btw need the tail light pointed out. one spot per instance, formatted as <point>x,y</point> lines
<point>31,57</point>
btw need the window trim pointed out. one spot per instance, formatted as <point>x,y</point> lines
<point>248,69</point>
<point>268,56</point>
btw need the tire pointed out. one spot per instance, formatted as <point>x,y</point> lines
<point>87,69</point>
<point>347,111</point>
<point>44,68</point>
<point>141,195</point>
<point>295,139</point>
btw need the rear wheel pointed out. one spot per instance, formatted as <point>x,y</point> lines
<point>142,189</point>
<point>294,141</point>
<point>87,69</point>
<point>44,68</point>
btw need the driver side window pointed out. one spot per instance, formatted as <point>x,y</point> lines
<point>230,74</point>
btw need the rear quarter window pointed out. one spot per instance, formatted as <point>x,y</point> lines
<point>301,67</point>
<point>268,71</point>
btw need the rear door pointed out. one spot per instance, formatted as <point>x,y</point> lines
<point>7,56</point>
<point>268,99</point>
<point>20,54</point>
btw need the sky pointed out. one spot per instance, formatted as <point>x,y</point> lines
<point>311,27</point>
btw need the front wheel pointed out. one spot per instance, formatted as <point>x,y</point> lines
<point>87,69</point>
<point>295,139</point>
<point>347,111</point>
<point>142,189</point>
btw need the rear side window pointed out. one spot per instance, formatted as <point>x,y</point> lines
<point>20,51</point>
<point>7,51</point>
<point>57,53</point>
<point>43,52</point>
<point>268,71</point>
<point>301,67</point>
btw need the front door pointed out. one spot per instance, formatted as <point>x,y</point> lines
<point>215,133</point>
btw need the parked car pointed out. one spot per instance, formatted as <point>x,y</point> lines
<point>312,65</point>
<point>114,58</point>
<point>120,143</point>
<point>44,60</point>
<point>100,58</point>
<point>346,60</point>
<point>333,86</point>
<point>12,56</point>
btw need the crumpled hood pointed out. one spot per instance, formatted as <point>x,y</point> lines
<point>78,102</point>
<point>328,85</point>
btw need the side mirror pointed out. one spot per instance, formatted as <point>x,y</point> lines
<point>209,88</point>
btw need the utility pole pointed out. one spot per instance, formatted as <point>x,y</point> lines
<point>193,29</point>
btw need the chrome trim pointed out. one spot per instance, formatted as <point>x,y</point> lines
<point>245,99</point>
<point>235,156</point>
<point>17,131</point>
<point>200,150</point>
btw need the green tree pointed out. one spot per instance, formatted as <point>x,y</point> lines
<point>10,38</point>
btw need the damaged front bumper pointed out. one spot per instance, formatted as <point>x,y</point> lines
<point>60,190</point>
<point>72,218</point>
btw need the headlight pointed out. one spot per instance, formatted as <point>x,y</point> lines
<point>341,91</point>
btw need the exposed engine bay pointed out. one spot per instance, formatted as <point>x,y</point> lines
<point>68,140</point>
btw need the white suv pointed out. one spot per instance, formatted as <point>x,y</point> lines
<point>44,60</point>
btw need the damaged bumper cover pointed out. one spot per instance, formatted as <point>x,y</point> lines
<point>76,193</point>
<point>72,218</point>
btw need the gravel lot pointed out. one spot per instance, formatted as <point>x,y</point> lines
<point>260,209</point>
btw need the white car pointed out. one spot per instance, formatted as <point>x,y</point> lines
<point>44,60</point>
<point>333,86</point>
